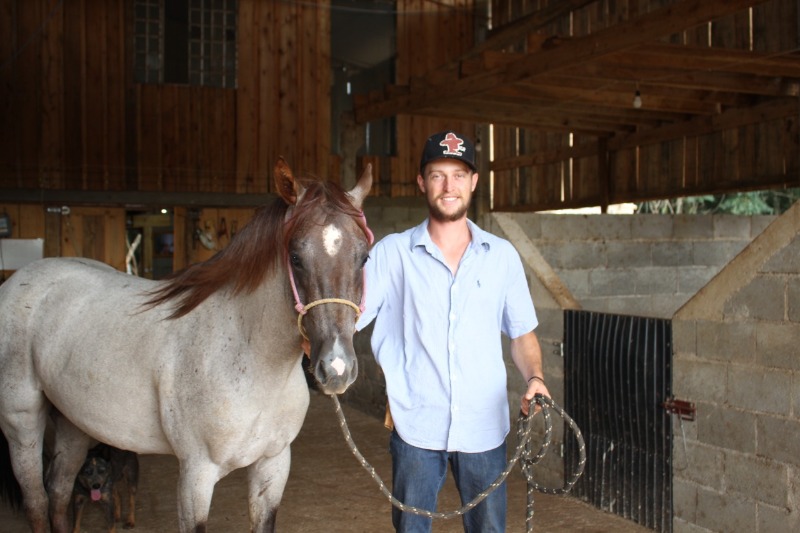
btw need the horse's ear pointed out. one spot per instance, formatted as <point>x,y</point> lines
<point>362,188</point>
<point>288,188</point>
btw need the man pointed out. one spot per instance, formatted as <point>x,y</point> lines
<point>441,295</point>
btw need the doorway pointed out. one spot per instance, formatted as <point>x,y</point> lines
<point>151,241</point>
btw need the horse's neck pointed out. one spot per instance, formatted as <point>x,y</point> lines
<point>266,315</point>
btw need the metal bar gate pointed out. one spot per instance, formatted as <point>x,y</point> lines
<point>617,377</point>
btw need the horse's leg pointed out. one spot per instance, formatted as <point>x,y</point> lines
<point>196,482</point>
<point>24,424</point>
<point>267,479</point>
<point>69,453</point>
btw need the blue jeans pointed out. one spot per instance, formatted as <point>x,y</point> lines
<point>419,475</point>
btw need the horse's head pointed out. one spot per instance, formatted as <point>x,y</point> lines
<point>327,242</point>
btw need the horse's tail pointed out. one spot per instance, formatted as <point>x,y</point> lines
<point>10,491</point>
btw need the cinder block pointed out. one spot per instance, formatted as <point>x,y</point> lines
<point>609,227</point>
<point>732,429</point>
<point>794,393</point>
<point>731,227</point>
<point>572,255</point>
<point>704,464</point>
<point>530,223</point>
<point>700,381</point>
<point>761,299</point>
<point>684,500</point>
<point>693,278</point>
<point>772,518</point>
<point>793,291</point>
<point>563,227</point>
<point>779,439</point>
<point>693,227</point>
<point>757,389</point>
<point>776,345</point>
<point>726,341</point>
<point>627,254</point>
<point>605,282</point>
<point>652,226</point>
<point>654,280</point>
<point>756,478</point>
<point>723,512</point>
<point>576,280</point>
<point>672,253</point>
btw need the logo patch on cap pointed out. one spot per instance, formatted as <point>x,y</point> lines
<point>453,145</point>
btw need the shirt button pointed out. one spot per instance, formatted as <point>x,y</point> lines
<point>452,316</point>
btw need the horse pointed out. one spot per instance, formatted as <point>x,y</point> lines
<point>205,365</point>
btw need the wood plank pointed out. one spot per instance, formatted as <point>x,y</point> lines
<point>94,92</point>
<point>116,67</point>
<point>52,106</point>
<point>248,36</point>
<point>28,71</point>
<point>9,108</point>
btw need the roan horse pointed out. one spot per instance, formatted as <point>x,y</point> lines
<point>204,366</point>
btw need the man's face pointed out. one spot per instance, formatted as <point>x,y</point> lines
<point>448,185</point>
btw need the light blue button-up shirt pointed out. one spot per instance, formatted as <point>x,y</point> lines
<point>437,336</point>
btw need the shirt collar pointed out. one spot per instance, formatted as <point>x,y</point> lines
<point>421,237</point>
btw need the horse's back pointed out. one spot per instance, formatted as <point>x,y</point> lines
<point>71,325</point>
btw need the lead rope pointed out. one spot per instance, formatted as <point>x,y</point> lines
<point>522,451</point>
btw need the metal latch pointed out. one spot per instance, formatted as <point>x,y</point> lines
<point>685,410</point>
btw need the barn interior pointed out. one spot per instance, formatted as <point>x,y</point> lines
<point>133,134</point>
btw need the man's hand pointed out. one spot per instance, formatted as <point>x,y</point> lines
<point>535,387</point>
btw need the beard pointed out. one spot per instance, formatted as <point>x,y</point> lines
<point>437,214</point>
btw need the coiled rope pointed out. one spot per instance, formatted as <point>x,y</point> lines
<point>521,452</point>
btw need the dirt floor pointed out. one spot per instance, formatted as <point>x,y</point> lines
<point>328,491</point>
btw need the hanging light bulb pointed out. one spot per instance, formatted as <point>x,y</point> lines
<point>478,145</point>
<point>637,99</point>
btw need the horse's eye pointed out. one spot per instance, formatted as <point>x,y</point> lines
<point>295,260</point>
<point>364,262</point>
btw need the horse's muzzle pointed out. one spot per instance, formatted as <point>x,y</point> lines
<point>335,373</point>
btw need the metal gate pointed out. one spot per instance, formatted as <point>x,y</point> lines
<point>617,378</point>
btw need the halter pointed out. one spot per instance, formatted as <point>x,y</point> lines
<point>303,309</point>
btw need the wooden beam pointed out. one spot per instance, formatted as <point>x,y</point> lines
<point>517,30</point>
<point>733,118</point>
<point>632,33</point>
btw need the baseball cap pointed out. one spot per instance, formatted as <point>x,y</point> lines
<point>448,144</point>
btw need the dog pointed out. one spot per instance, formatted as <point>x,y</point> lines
<point>99,481</point>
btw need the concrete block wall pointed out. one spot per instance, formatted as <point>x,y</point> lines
<point>736,468</point>
<point>646,265</point>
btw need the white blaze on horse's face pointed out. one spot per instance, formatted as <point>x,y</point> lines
<point>332,240</point>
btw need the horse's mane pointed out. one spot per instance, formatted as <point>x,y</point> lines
<point>255,250</point>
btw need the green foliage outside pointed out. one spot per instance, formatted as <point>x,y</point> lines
<point>771,202</point>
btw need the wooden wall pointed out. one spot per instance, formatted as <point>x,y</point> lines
<point>72,119</point>
<point>755,154</point>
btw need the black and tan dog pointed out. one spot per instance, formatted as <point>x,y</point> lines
<point>99,481</point>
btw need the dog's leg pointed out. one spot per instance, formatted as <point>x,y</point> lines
<point>108,510</point>
<point>117,502</point>
<point>77,512</point>
<point>131,475</point>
